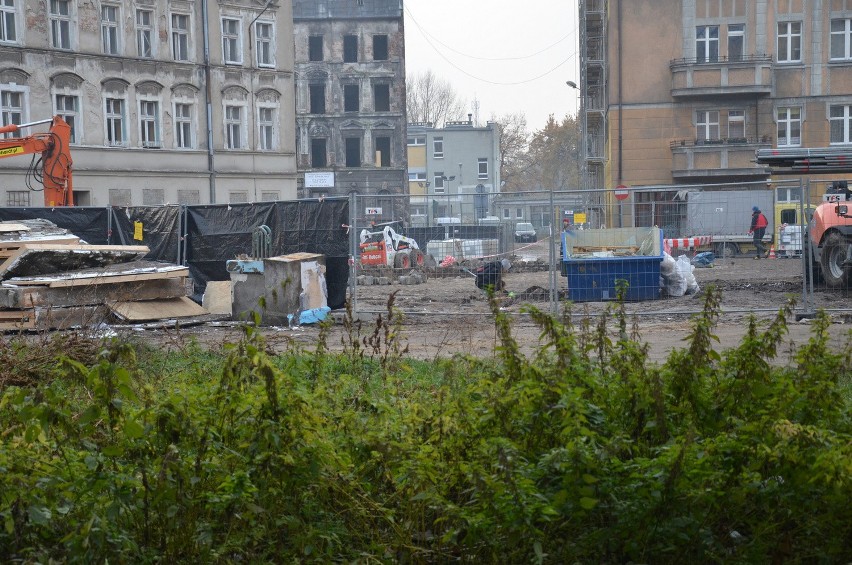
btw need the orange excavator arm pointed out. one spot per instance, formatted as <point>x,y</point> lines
<point>54,167</point>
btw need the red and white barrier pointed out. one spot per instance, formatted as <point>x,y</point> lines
<point>687,242</point>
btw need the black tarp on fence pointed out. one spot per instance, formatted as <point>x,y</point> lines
<point>205,237</point>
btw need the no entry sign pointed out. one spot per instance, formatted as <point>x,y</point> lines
<point>622,192</point>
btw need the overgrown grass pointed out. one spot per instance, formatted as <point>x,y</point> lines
<point>584,452</point>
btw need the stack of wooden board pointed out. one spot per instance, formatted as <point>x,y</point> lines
<point>53,281</point>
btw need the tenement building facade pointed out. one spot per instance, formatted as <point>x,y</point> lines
<point>187,101</point>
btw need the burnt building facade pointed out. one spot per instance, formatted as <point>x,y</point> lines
<point>350,100</point>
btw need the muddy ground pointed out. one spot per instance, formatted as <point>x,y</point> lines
<point>448,315</point>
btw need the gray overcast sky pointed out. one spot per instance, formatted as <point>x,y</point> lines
<point>510,56</point>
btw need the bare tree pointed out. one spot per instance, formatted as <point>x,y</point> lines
<point>430,99</point>
<point>515,162</point>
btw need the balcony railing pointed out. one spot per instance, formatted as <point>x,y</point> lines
<point>722,59</point>
<point>727,157</point>
<point>750,74</point>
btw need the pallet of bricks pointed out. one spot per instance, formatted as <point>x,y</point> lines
<point>50,279</point>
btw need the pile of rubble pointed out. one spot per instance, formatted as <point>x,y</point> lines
<point>50,279</point>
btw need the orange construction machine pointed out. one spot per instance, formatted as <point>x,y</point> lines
<point>51,164</point>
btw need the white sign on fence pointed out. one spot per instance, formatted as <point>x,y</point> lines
<point>319,180</point>
<point>374,211</point>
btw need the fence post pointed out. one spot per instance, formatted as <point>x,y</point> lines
<point>353,254</point>
<point>552,254</point>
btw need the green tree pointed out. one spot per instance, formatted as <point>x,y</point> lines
<point>555,155</point>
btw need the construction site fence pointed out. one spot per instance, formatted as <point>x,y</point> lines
<point>651,245</point>
<point>205,237</point>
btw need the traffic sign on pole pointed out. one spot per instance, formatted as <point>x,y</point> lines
<point>622,192</point>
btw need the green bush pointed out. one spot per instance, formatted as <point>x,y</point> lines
<point>583,452</point>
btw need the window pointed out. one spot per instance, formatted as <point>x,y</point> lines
<point>317,92</point>
<point>233,127</point>
<point>380,47</point>
<point>381,97</point>
<point>68,108</point>
<point>350,48</point>
<point>789,127</point>
<point>438,183</point>
<point>120,197</point>
<point>153,196</point>
<point>736,125</point>
<point>270,196</point>
<point>838,120</point>
<point>438,148</point>
<point>482,163</point>
<point>114,121</point>
<point>266,128</point>
<point>238,197</point>
<point>353,151</point>
<point>319,155</point>
<point>841,39</point>
<point>790,42</point>
<point>263,33</point>
<point>149,123</point>
<point>231,42</point>
<point>417,177</point>
<point>350,98</point>
<point>183,126</point>
<point>417,140</point>
<point>383,151</point>
<point>144,33</point>
<point>519,213</point>
<point>60,24</point>
<point>11,109</point>
<point>315,48</point>
<point>507,214</point>
<point>18,198</point>
<point>707,125</point>
<point>180,37</point>
<point>707,44</point>
<point>109,29</point>
<point>736,40</point>
<point>188,197</point>
<point>8,28</point>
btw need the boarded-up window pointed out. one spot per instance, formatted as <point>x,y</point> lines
<point>238,196</point>
<point>120,197</point>
<point>188,197</point>
<point>153,196</point>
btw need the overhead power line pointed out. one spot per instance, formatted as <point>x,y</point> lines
<point>427,37</point>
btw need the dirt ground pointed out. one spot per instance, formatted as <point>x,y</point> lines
<point>448,315</point>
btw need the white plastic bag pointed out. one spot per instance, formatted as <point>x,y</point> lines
<point>686,268</point>
<point>672,275</point>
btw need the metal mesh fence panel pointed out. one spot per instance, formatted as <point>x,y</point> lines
<point>657,247</point>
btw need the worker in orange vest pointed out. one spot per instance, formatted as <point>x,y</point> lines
<point>758,230</point>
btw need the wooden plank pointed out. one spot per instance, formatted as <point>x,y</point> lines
<point>47,239</point>
<point>10,226</point>
<point>43,259</point>
<point>17,297</point>
<point>53,318</point>
<point>108,278</point>
<point>140,311</point>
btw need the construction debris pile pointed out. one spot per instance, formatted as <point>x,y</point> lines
<point>50,279</point>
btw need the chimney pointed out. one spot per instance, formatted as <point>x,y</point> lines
<point>470,119</point>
